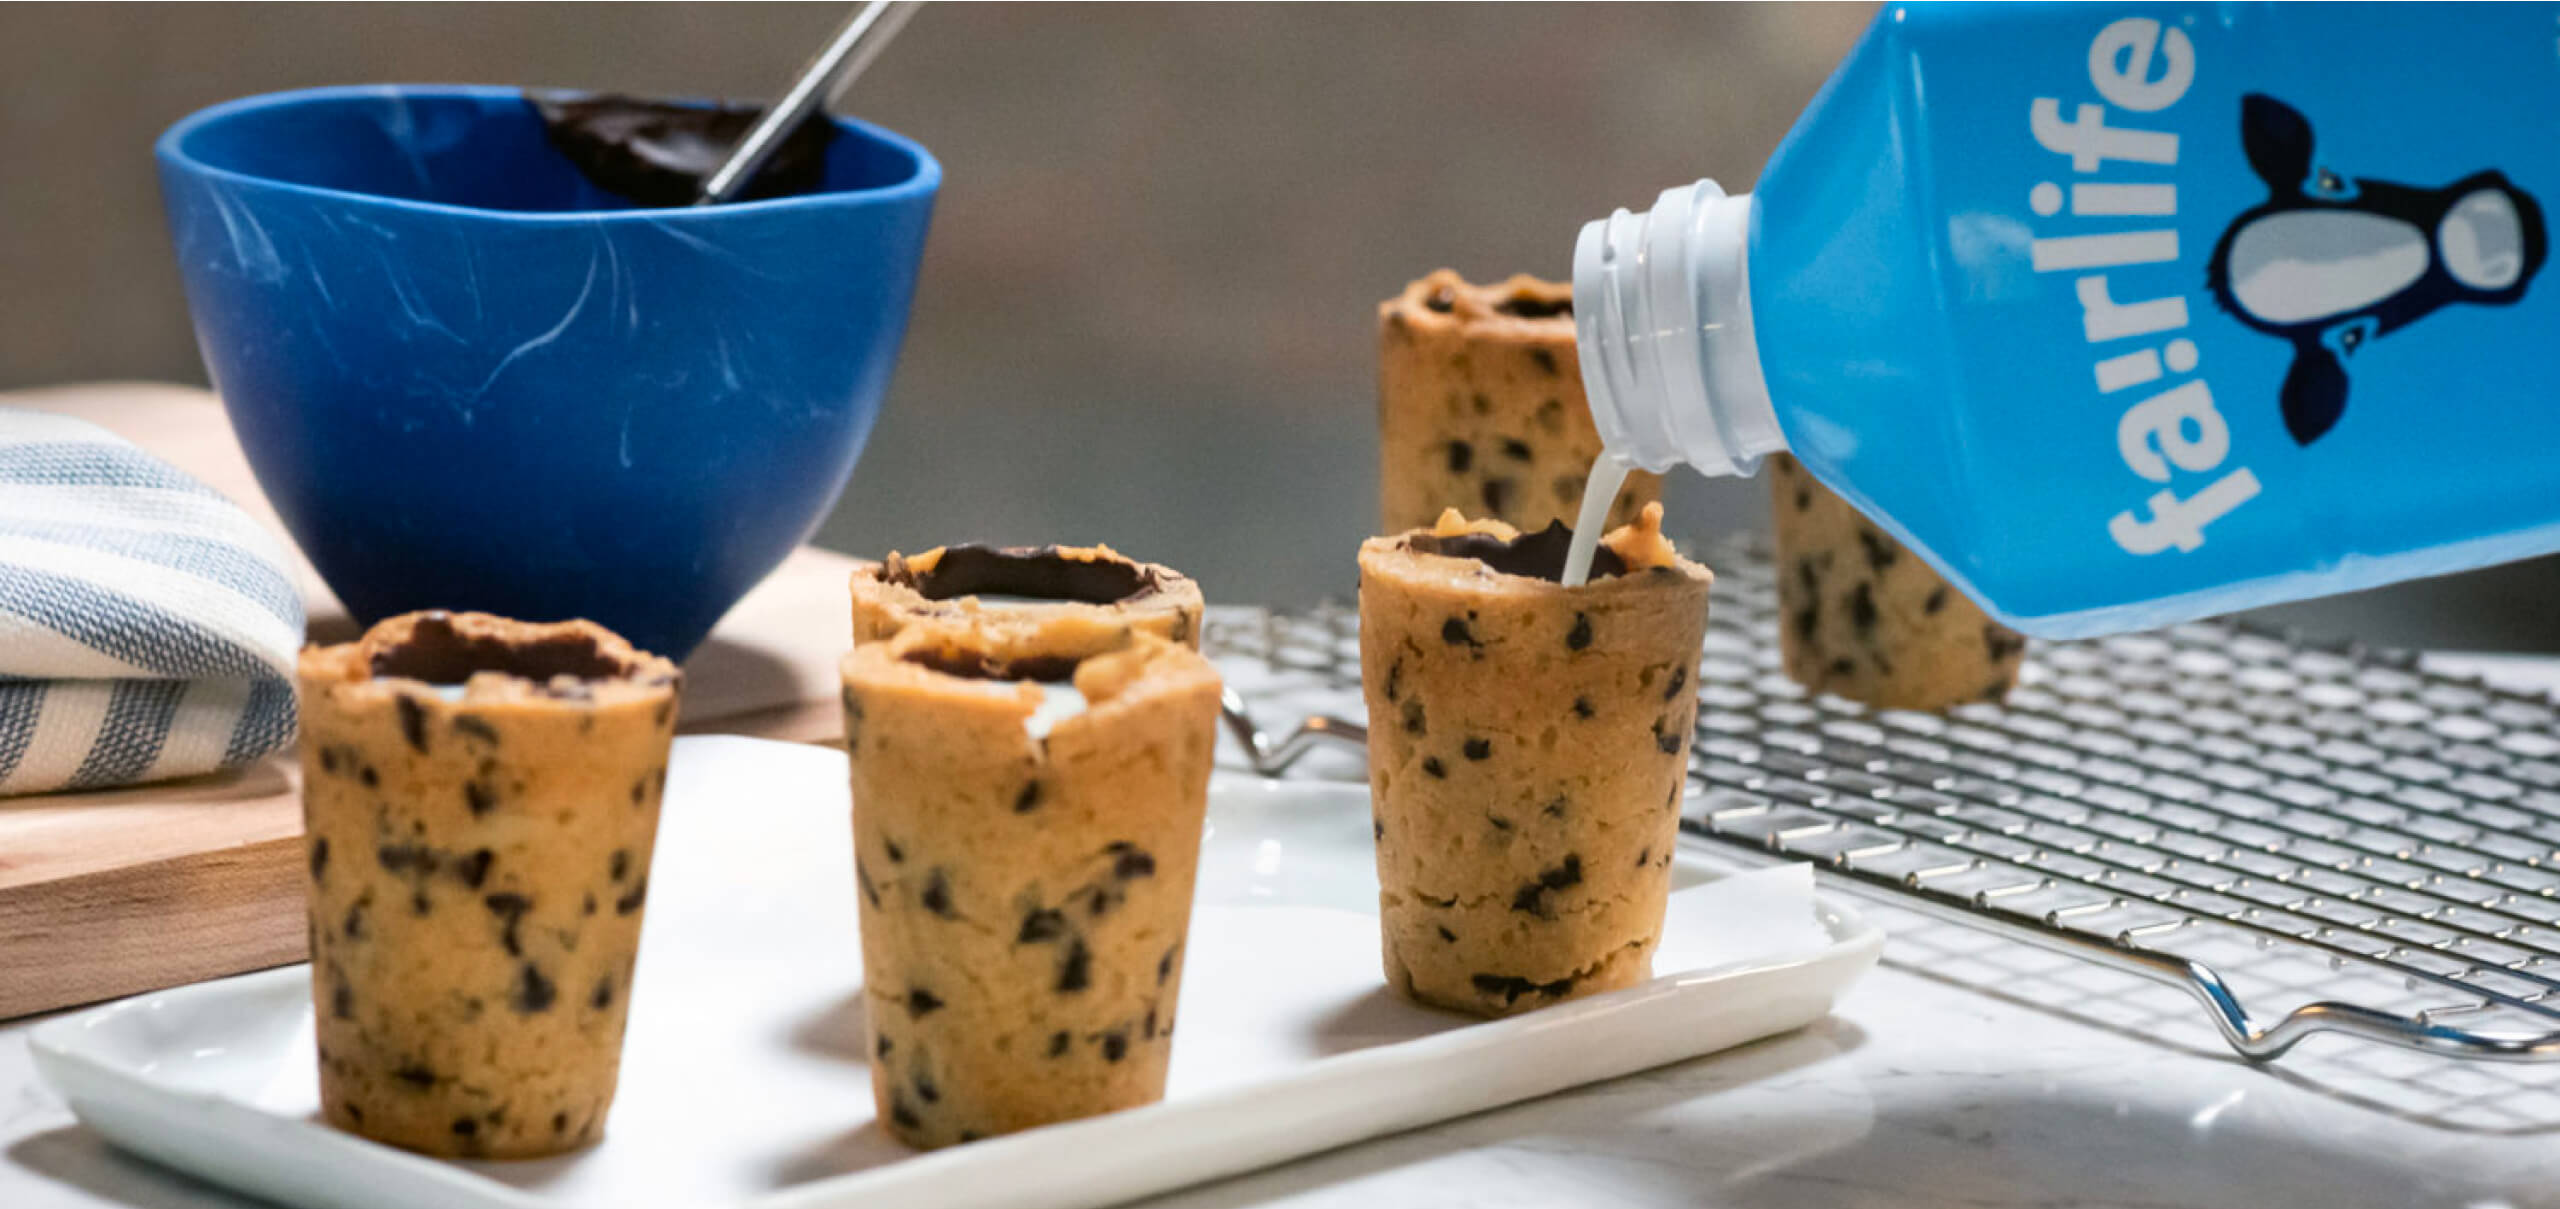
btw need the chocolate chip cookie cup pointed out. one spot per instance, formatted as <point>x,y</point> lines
<point>1062,597</point>
<point>479,797</point>
<point>1480,406</point>
<point>1860,616</point>
<point>1024,896</point>
<point>1527,747</point>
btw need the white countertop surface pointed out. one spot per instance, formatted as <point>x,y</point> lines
<point>1968,1071</point>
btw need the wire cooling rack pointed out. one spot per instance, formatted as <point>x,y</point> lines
<point>2303,838</point>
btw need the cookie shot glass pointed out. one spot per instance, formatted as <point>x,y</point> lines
<point>1027,822</point>
<point>480,799</point>
<point>1862,617</point>
<point>1073,597</point>
<point>1527,748</point>
<point>1480,407</point>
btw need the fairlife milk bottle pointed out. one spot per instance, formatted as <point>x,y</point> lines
<point>2126,314</point>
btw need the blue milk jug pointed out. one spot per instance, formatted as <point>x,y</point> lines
<point>2122,315</point>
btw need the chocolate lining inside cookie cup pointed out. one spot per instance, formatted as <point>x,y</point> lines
<point>966,664</point>
<point>1538,555</point>
<point>570,660</point>
<point>1446,298</point>
<point>434,650</point>
<point>1038,572</point>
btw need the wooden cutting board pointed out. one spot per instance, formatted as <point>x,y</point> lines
<point>116,892</point>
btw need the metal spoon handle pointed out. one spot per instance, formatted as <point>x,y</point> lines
<point>847,53</point>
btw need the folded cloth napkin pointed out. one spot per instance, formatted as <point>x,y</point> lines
<point>148,626</point>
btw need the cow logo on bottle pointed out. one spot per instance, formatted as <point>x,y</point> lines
<point>2330,263</point>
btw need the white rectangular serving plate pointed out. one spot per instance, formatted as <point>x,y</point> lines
<point>744,1080</point>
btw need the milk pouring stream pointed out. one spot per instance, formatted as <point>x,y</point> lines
<point>2121,315</point>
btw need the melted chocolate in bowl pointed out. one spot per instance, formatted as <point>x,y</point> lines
<point>439,654</point>
<point>1032,572</point>
<point>1538,555</point>
<point>656,154</point>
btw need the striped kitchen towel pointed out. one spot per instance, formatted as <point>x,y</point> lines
<point>148,626</point>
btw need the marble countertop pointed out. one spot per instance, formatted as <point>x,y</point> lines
<point>1966,1071</point>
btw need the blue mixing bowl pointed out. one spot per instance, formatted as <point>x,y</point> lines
<point>469,379</point>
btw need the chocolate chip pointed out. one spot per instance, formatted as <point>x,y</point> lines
<point>1395,680</point>
<point>329,760</point>
<point>1497,495</point>
<point>1551,417</point>
<point>533,992</point>
<point>1844,666</point>
<point>921,1002</point>
<point>1666,740</point>
<point>1567,874</point>
<point>406,858</point>
<point>1413,719</point>
<point>925,1090</point>
<point>465,1126</point>
<point>603,997</point>
<point>1164,965</point>
<point>476,727</point>
<point>342,1004</point>
<point>1644,858</point>
<point>1546,359</point>
<point>1555,809</point>
<point>1484,404</point>
<point>936,895</point>
<point>371,779</point>
<point>1057,1044</point>
<point>352,927</point>
<point>1808,574</point>
<point>2000,642</point>
<point>415,1075</point>
<point>882,1046</point>
<point>1807,619</point>
<point>509,908</point>
<point>1461,456</point>
<point>590,906</point>
<point>474,869</point>
<point>413,721</point>
<point>355,1114</point>
<point>1041,924</point>
<point>901,1115</point>
<point>1075,971</point>
<point>896,853</point>
<point>1679,680</point>
<point>970,1135</point>
<point>1377,828</point>
<point>1449,936</point>
<point>420,904</point>
<point>559,1122</point>
<point>1937,600</point>
<point>1511,987</point>
<point>631,902</point>
<point>1880,549</point>
<point>482,799</point>
<point>1130,861</point>
<point>1477,749</point>
<point>1115,1046</point>
<point>1862,606</point>
<point>319,857</point>
<point>1579,638</point>
<point>619,864</point>
<point>1456,632</point>
<point>1804,498</point>
<point>1499,823</point>
<point>1148,1030</point>
<point>1029,799</point>
<point>1582,707</point>
<point>1433,766</point>
<point>1516,449</point>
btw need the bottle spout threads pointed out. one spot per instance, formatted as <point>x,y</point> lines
<point>1663,318</point>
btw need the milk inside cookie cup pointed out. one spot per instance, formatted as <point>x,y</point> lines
<point>478,872</point>
<point>1025,890</point>
<point>1064,598</point>
<point>1528,743</point>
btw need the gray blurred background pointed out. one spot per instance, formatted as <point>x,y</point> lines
<point>1147,309</point>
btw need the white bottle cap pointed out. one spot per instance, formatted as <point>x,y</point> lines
<point>1662,312</point>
